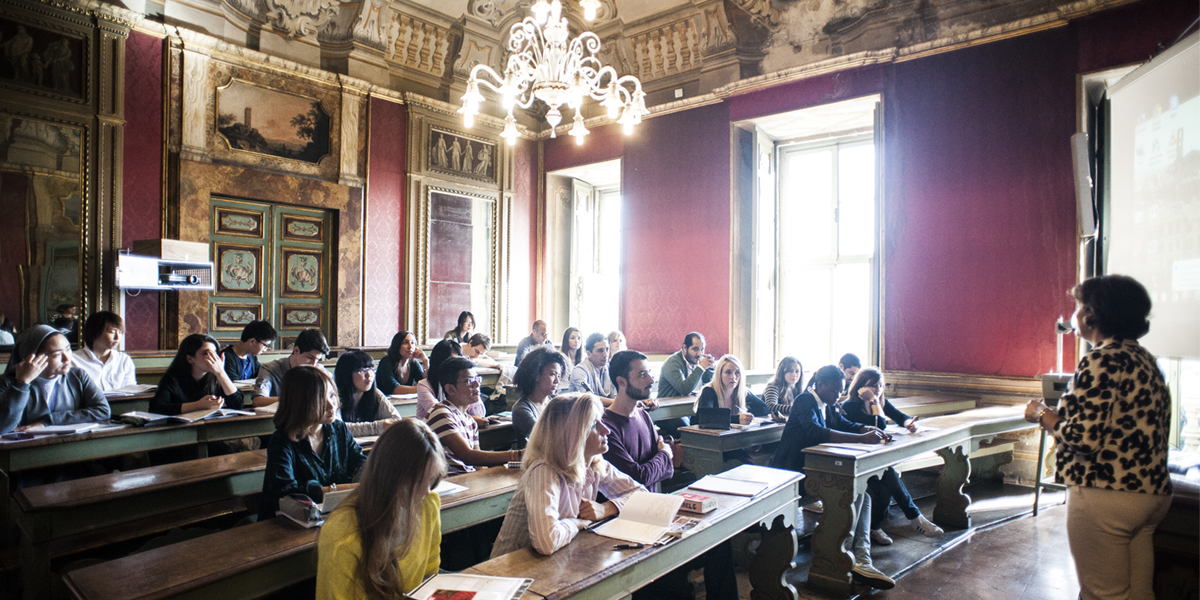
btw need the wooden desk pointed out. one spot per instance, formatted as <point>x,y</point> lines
<point>673,408</point>
<point>73,516</point>
<point>119,405</point>
<point>588,567</point>
<point>500,436</point>
<point>406,404</point>
<point>61,450</point>
<point>836,473</point>
<point>257,559</point>
<point>704,449</point>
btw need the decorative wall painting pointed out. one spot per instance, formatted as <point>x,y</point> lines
<point>259,119</point>
<point>303,276</point>
<point>301,316</point>
<point>42,60</point>
<point>458,154</point>
<point>239,269</point>
<point>230,221</point>
<point>298,229</point>
<point>234,317</point>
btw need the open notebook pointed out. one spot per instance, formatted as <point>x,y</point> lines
<point>451,586</point>
<point>644,519</point>
<point>191,417</point>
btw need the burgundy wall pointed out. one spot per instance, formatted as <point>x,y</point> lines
<point>141,201</point>
<point>523,246</point>
<point>823,89</point>
<point>383,306</point>
<point>14,190</point>
<point>603,143</point>
<point>675,222</point>
<point>979,207</point>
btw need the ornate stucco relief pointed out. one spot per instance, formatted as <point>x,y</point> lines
<point>196,90</point>
<point>299,18</point>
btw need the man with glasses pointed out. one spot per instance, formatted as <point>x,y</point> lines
<point>241,359</point>
<point>455,428</point>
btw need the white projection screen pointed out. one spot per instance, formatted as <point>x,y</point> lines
<point>1153,224</point>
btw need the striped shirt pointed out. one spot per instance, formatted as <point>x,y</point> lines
<point>446,420</point>
<point>544,512</point>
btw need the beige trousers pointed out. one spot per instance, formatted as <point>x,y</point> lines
<point>1111,535</point>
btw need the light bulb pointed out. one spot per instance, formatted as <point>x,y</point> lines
<point>541,10</point>
<point>589,8</point>
<point>578,130</point>
<point>468,120</point>
<point>510,130</point>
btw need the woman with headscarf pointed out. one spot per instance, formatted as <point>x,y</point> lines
<point>40,388</point>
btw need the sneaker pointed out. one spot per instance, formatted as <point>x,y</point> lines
<point>868,574</point>
<point>816,508</point>
<point>879,538</point>
<point>924,526</point>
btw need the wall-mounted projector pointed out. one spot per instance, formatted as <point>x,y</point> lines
<point>177,266</point>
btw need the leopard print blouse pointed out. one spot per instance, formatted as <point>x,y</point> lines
<point>1115,422</point>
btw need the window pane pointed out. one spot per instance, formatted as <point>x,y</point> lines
<point>851,308</point>
<point>856,200</point>
<point>804,316</point>
<point>806,207</point>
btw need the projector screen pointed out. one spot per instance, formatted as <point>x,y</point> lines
<point>1153,220</point>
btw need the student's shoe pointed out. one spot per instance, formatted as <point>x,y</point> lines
<point>879,538</point>
<point>816,508</point>
<point>924,526</point>
<point>868,574</point>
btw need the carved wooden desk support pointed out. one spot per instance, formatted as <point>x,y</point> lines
<point>837,473</point>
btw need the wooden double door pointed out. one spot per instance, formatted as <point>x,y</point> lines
<point>272,262</point>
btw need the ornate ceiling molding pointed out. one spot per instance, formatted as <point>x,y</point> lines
<point>301,18</point>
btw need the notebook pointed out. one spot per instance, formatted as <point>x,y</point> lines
<point>644,519</point>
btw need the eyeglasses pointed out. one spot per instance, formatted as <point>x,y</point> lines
<point>477,380</point>
<point>365,371</point>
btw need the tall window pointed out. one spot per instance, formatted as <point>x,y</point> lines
<point>826,249</point>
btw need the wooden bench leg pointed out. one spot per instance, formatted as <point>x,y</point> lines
<point>832,560</point>
<point>951,509</point>
<point>776,555</point>
<point>35,566</point>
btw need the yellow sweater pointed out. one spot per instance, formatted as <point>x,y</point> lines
<point>339,549</point>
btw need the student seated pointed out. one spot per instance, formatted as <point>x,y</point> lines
<point>465,328</point>
<point>616,342</point>
<point>365,410</point>
<point>403,366</point>
<point>105,364</point>
<point>729,390</point>
<point>477,350</point>
<point>815,420</point>
<point>849,364</point>
<point>537,380</point>
<point>563,470</point>
<point>241,359</point>
<point>308,351</point>
<point>682,374</point>
<point>311,450</point>
<point>40,388</point>
<point>591,374</point>
<point>385,538</point>
<point>783,389</point>
<point>537,338</point>
<point>636,449</point>
<point>195,380</point>
<point>867,406</point>
<point>429,393</point>
<point>572,346</point>
<point>455,428</point>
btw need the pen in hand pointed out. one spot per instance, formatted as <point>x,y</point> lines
<point>629,546</point>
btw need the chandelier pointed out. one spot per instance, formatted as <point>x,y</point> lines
<point>545,64</point>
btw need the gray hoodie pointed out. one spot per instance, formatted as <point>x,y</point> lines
<point>77,399</point>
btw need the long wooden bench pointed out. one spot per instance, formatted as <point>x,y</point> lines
<point>257,559</point>
<point>66,518</point>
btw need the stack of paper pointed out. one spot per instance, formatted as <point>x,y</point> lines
<point>448,586</point>
<point>130,390</point>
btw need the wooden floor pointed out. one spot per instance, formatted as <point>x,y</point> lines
<point>1007,555</point>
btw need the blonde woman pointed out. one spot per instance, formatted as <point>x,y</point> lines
<point>385,538</point>
<point>728,389</point>
<point>564,468</point>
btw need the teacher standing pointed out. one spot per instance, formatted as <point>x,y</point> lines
<point>1112,428</point>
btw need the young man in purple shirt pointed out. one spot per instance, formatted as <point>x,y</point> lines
<point>636,449</point>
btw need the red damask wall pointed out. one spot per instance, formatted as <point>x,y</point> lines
<point>142,185</point>
<point>522,280</point>
<point>383,273</point>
